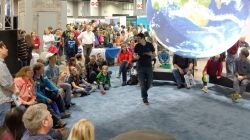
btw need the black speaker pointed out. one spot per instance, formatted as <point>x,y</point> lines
<point>9,37</point>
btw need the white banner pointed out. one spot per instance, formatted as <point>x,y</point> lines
<point>139,4</point>
<point>94,3</point>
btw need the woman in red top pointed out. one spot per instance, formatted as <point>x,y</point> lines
<point>212,70</point>
<point>125,61</point>
<point>36,41</point>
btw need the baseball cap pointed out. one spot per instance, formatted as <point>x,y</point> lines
<point>50,55</point>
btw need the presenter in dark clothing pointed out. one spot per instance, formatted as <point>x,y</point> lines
<point>143,52</point>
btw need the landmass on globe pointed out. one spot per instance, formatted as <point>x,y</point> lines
<point>198,14</point>
<point>198,28</point>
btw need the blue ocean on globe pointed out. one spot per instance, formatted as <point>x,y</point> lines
<point>198,28</point>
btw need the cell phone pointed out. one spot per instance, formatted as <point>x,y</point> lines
<point>16,99</point>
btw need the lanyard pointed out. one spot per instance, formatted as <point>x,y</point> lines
<point>27,85</point>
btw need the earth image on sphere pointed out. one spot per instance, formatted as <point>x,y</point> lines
<point>198,28</point>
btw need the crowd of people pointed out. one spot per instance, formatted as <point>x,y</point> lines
<point>45,92</point>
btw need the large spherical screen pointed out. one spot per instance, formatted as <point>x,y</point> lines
<point>198,28</point>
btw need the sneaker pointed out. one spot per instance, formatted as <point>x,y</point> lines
<point>103,92</point>
<point>61,123</point>
<point>92,89</point>
<point>179,86</point>
<point>77,95</point>
<point>65,115</point>
<point>138,84</point>
<point>67,106</point>
<point>235,96</point>
<point>145,101</point>
<point>72,104</point>
<point>205,89</point>
<point>118,75</point>
<point>124,84</point>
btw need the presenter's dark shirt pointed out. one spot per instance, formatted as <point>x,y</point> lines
<point>144,60</point>
<point>182,62</point>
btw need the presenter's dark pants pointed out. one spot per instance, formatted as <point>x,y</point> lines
<point>145,75</point>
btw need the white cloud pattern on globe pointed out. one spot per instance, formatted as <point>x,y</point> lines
<point>198,28</point>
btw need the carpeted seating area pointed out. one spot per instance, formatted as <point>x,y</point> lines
<point>184,114</point>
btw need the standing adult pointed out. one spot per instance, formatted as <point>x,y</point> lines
<point>231,57</point>
<point>144,51</point>
<point>31,45</point>
<point>7,86</point>
<point>65,34</point>
<point>87,40</point>
<point>48,40</point>
<point>243,43</point>
<point>107,36</point>
<point>36,41</point>
<point>22,51</point>
<point>141,29</point>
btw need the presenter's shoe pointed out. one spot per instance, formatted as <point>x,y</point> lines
<point>118,76</point>
<point>205,89</point>
<point>235,96</point>
<point>145,101</point>
<point>124,84</point>
<point>179,86</point>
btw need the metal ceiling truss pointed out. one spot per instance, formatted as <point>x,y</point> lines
<point>6,19</point>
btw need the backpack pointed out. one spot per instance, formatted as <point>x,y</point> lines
<point>133,80</point>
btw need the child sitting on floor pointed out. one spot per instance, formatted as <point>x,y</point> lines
<point>78,84</point>
<point>212,71</point>
<point>103,79</point>
<point>163,56</point>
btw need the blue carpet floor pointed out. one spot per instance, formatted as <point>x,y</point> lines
<point>185,114</point>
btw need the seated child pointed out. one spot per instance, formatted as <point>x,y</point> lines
<point>163,56</point>
<point>103,79</point>
<point>212,71</point>
<point>77,83</point>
